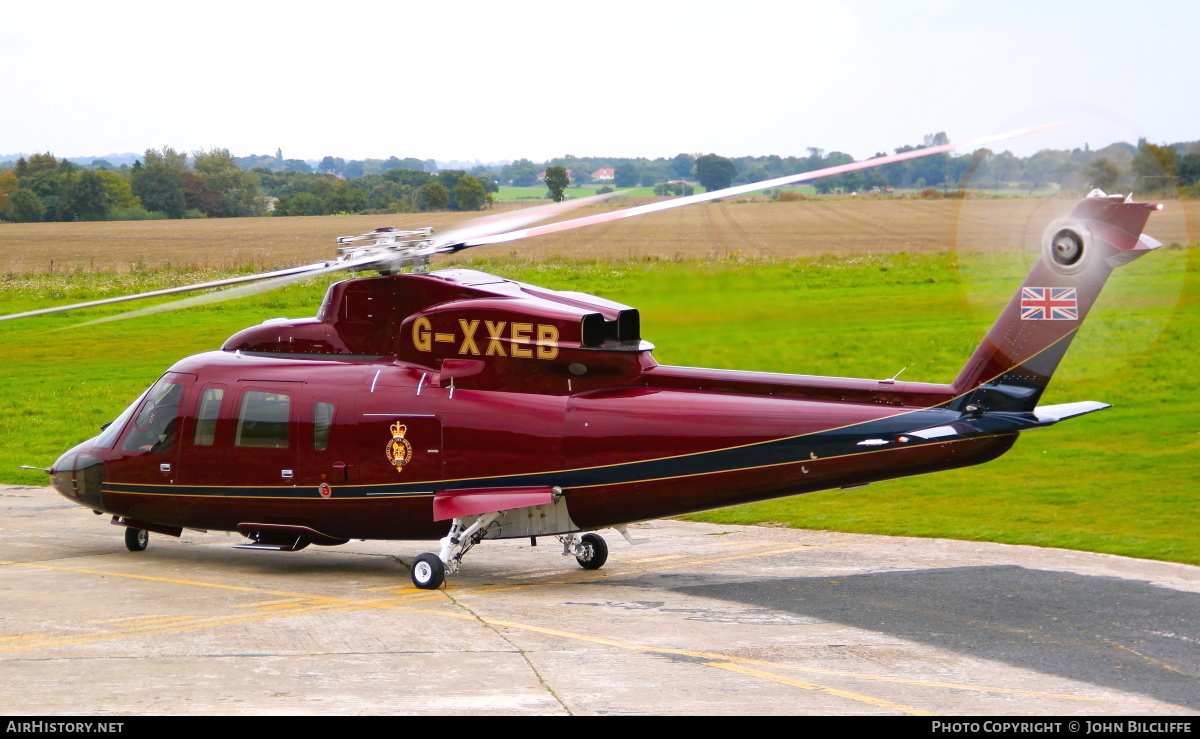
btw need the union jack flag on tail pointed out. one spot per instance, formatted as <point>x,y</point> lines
<point>1049,304</point>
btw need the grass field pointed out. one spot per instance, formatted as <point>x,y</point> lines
<point>740,293</point>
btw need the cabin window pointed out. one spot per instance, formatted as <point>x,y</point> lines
<point>206,416</point>
<point>263,420</point>
<point>322,421</point>
<point>155,421</point>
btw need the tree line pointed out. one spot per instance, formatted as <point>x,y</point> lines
<point>166,183</point>
<point>397,190</point>
<point>1146,167</point>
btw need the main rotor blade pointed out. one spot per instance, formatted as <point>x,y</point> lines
<point>172,290</point>
<point>742,189</point>
<point>477,228</point>
<point>233,292</point>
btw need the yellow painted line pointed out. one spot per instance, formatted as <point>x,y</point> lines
<point>805,685</point>
<point>302,603</point>
<point>740,555</point>
<point>133,623</point>
<point>394,588</point>
<point>1151,660</point>
<point>19,638</point>
<point>735,544</point>
<point>152,578</point>
<point>133,618</point>
<point>261,603</point>
<point>660,558</point>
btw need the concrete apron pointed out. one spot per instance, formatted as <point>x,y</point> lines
<point>703,619</point>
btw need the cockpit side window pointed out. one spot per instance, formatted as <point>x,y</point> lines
<point>156,419</point>
<point>263,420</point>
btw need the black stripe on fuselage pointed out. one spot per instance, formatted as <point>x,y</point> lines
<point>838,442</point>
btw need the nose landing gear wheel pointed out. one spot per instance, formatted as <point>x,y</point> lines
<point>136,540</point>
<point>595,552</point>
<point>428,571</point>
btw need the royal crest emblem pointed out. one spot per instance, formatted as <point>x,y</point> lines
<point>398,451</point>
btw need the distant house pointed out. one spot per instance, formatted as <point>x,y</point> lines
<point>604,174</point>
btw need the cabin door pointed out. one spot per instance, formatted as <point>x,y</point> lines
<point>200,474</point>
<point>327,444</point>
<point>261,457</point>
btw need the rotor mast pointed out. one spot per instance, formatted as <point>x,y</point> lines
<point>387,250</point>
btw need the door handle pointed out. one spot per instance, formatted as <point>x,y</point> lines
<point>164,468</point>
<point>343,469</point>
<point>287,474</point>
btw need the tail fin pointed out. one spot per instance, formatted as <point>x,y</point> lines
<point>1013,365</point>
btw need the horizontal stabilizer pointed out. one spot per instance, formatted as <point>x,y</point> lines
<point>1048,414</point>
<point>1000,423</point>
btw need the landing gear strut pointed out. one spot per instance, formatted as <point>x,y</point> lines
<point>429,570</point>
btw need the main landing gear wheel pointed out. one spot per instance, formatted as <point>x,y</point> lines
<point>428,571</point>
<point>136,539</point>
<point>595,552</point>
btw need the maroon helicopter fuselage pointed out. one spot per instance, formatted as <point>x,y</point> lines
<point>409,389</point>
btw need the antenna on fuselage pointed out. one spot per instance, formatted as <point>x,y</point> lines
<point>892,379</point>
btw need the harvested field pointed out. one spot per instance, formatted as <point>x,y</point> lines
<point>723,229</point>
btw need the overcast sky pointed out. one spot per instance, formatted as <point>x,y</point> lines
<point>501,80</point>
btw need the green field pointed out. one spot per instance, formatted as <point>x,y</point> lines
<point>1122,481</point>
<point>508,192</point>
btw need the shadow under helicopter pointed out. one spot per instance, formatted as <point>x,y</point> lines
<point>1128,635</point>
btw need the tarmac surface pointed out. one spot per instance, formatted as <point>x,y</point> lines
<point>702,619</point>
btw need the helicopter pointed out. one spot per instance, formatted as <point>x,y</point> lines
<point>459,406</point>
